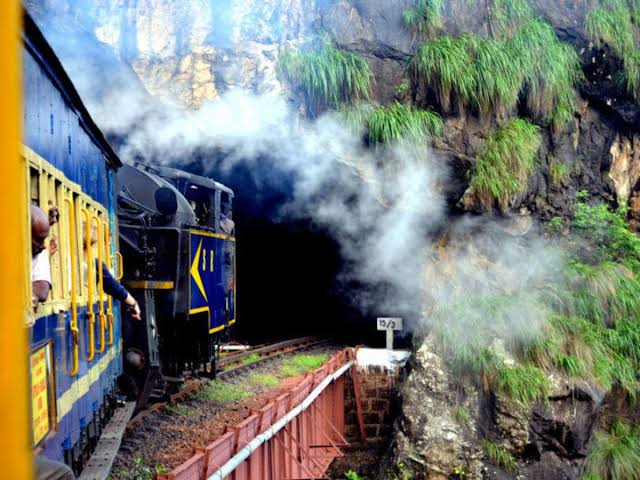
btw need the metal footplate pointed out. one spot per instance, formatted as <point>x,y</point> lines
<point>99,465</point>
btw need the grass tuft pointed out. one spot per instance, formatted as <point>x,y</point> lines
<point>616,23</point>
<point>491,75</point>
<point>301,364</point>
<point>558,173</point>
<point>615,454</point>
<point>264,379</point>
<point>398,122</point>
<point>424,17</point>
<point>503,166</point>
<point>460,415</point>
<point>525,384</point>
<point>221,393</point>
<point>329,76</point>
<point>499,456</point>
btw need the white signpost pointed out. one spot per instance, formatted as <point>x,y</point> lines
<point>389,324</point>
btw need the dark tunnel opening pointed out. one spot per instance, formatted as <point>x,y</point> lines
<point>288,270</point>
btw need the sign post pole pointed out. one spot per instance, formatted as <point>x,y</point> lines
<point>390,325</point>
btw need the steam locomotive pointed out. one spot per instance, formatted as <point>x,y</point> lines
<point>177,240</point>
<point>167,234</point>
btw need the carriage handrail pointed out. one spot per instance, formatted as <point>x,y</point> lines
<point>90,279</point>
<point>105,227</point>
<point>74,286</point>
<point>103,318</point>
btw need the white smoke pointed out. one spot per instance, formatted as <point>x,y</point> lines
<point>385,206</point>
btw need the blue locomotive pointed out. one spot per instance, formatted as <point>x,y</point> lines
<point>167,234</point>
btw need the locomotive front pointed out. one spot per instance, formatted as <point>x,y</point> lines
<point>178,241</point>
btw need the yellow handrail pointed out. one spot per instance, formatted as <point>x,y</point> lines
<point>90,284</point>
<point>120,266</point>
<point>105,226</point>
<point>74,285</point>
<point>103,318</point>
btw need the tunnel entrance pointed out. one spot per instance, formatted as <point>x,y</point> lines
<point>288,270</point>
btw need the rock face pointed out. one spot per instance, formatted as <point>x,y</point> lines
<point>444,420</point>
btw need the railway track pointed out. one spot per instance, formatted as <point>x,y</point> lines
<point>232,365</point>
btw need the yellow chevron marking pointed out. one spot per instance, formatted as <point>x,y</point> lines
<point>195,271</point>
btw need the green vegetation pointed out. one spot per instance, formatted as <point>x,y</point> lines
<point>301,364</point>
<point>139,471</point>
<point>558,173</point>
<point>394,123</point>
<point>328,76</point>
<point>615,454</point>
<point>503,166</point>
<point>182,410</point>
<point>499,456</point>
<point>608,232</point>
<point>460,415</point>
<point>524,383</point>
<point>506,16</point>
<point>221,393</point>
<point>254,357</point>
<point>490,75</point>
<point>397,122</point>
<point>617,24</point>
<point>353,475</point>
<point>264,379</point>
<point>424,17</point>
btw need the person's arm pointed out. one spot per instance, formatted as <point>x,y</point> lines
<point>41,290</point>
<point>116,290</point>
<point>40,278</point>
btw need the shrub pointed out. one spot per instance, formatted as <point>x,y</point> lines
<point>499,456</point>
<point>328,76</point>
<point>608,232</point>
<point>503,166</point>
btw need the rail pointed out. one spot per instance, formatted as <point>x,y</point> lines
<point>266,353</point>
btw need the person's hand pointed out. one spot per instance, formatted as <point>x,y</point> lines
<point>53,245</point>
<point>54,213</point>
<point>135,311</point>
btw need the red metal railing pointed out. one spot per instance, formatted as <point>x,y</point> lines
<point>302,448</point>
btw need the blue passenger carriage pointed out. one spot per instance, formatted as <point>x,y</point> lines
<point>75,335</point>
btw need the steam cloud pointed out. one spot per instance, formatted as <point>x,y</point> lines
<point>384,206</point>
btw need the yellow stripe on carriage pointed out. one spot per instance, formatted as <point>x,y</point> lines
<point>81,386</point>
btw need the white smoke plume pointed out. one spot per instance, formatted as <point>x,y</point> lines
<point>385,206</point>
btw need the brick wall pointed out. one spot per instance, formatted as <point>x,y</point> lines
<point>378,397</point>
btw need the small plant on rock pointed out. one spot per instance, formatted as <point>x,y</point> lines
<point>499,456</point>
